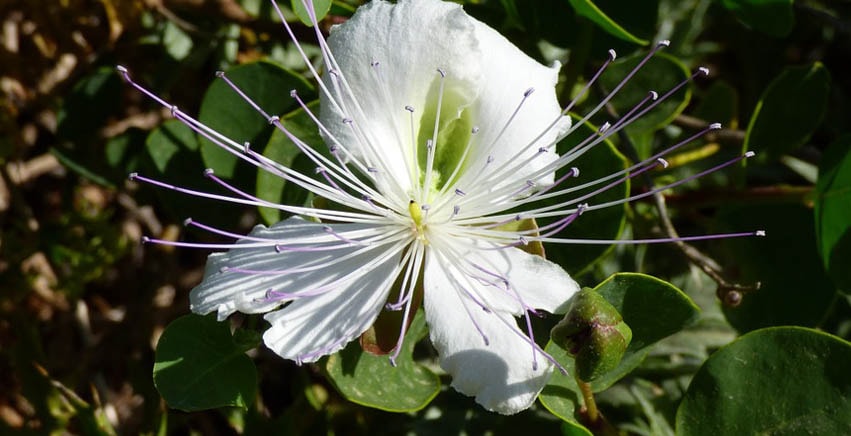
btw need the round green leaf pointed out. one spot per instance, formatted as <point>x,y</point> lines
<point>607,223</point>
<point>321,8</point>
<point>832,211</point>
<point>199,365</point>
<point>795,289</point>
<point>789,111</point>
<point>224,110</point>
<point>589,10</point>
<point>773,17</point>
<point>653,309</point>
<point>776,381</point>
<point>371,381</point>
<point>661,73</point>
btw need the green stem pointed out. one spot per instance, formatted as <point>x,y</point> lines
<point>588,399</point>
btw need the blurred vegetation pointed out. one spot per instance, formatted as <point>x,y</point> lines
<point>83,303</point>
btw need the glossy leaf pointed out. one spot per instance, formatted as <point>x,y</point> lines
<point>833,212</point>
<point>654,309</point>
<point>199,365</point>
<point>777,381</point>
<point>588,9</point>
<point>224,110</point>
<point>321,8</point>
<point>371,381</point>
<point>795,289</point>
<point>772,17</point>
<point>788,112</point>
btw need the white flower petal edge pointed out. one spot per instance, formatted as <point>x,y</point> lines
<point>334,290</point>
<point>390,55</point>
<point>393,57</point>
<point>488,356</point>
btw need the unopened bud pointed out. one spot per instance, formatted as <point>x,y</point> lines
<point>594,333</point>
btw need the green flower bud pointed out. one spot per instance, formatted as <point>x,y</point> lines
<point>593,332</point>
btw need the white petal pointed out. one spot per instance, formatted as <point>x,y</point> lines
<point>351,284</point>
<point>507,74</point>
<point>310,328</point>
<point>227,288</point>
<point>410,40</point>
<point>510,279</point>
<point>499,374</point>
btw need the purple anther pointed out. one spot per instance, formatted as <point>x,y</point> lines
<point>409,109</point>
<point>542,150</point>
<point>348,120</point>
<point>474,130</point>
<point>528,92</point>
<point>441,72</point>
<point>460,193</point>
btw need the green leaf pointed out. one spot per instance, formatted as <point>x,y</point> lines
<point>832,211</point>
<point>321,7</point>
<point>660,74</point>
<point>795,289</point>
<point>199,365</point>
<point>588,9</point>
<point>777,381</point>
<point>772,17</point>
<point>606,223</point>
<point>224,110</point>
<point>167,141</point>
<point>371,381</point>
<point>653,309</point>
<point>789,110</point>
<point>272,187</point>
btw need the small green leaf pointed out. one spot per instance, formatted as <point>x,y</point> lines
<point>371,381</point>
<point>653,308</point>
<point>321,8</point>
<point>588,9</point>
<point>832,211</point>
<point>772,17</point>
<point>225,111</point>
<point>167,141</point>
<point>789,110</point>
<point>776,381</point>
<point>199,365</point>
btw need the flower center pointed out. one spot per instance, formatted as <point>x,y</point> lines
<point>417,220</point>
